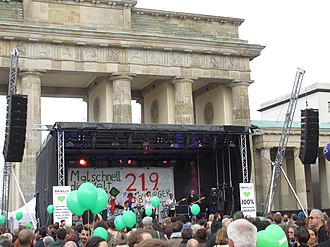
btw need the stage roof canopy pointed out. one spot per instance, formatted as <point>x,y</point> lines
<point>146,141</point>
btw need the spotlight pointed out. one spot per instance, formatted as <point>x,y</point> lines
<point>82,162</point>
<point>129,162</point>
<point>80,138</point>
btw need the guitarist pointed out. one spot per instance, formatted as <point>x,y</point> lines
<point>191,199</point>
<point>170,203</point>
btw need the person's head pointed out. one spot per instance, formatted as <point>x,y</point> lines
<point>154,242</point>
<point>242,233</point>
<point>171,195</point>
<point>5,242</point>
<point>177,226</point>
<point>84,236</point>
<point>316,218</point>
<point>211,217</point>
<point>148,193</point>
<point>70,244</point>
<point>48,240</point>
<point>137,236</point>
<point>63,223</point>
<point>278,218</point>
<point>302,235</point>
<point>96,242</point>
<point>328,226</point>
<point>290,232</point>
<point>192,192</point>
<point>8,236</point>
<point>71,237</point>
<point>221,238</point>
<point>25,238</point>
<point>192,243</point>
<point>186,233</point>
<point>225,222</point>
<point>201,235</point>
<point>61,233</point>
<point>312,236</point>
<point>147,221</point>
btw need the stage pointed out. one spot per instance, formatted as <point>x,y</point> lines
<point>162,158</point>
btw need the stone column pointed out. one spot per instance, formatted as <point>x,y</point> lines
<point>122,109</point>
<point>184,109</point>
<point>31,86</point>
<point>324,176</point>
<point>300,179</point>
<point>241,107</point>
<point>265,175</point>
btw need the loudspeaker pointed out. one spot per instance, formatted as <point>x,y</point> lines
<point>309,140</point>
<point>15,128</point>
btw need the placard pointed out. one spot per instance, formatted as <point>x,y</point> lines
<point>61,212</point>
<point>248,206</point>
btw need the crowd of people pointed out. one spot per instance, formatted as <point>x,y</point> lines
<point>215,231</point>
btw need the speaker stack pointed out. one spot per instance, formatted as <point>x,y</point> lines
<point>15,128</point>
<point>309,140</point>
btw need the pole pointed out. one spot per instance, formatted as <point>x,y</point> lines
<point>21,193</point>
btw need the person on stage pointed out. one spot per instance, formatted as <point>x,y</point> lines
<point>191,199</point>
<point>147,203</point>
<point>170,204</point>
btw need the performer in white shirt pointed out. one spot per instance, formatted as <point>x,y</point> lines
<point>170,204</point>
<point>147,204</point>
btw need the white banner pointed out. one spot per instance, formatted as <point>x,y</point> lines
<point>126,185</point>
<point>248,206</point>
<point>61,212</point>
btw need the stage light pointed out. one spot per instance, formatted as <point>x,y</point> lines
<point>82,162</point>
<point>120,161</point>
<point>129,162</point>
<point>80,138</point>
<point>164,162</point>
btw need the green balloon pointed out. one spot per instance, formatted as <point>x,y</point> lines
<point>129,219</point>
<point>272,236</point>
<point>73,204</point>
<point>155,201</point>
<point>195,209</point>
<point>28,225</point>
<point>101,201</point>
<point>50,208</point>
<point>19,216</point>
<point>148,211</point>
<point>87,195</point>
<point>262,218</point>
<point>119,223</point>
<point>100,232</point>
<point>2,219</point>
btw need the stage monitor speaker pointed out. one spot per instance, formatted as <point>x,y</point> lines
<point>309,140</point>
<point>13,149</point>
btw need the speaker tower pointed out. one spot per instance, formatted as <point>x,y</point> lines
<point>15,128</point>
<point>309,140</point>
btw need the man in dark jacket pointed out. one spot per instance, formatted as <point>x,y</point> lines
<point>216,224</point>
<point>60,238</point>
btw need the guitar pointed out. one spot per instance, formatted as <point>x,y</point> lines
<point>176,204</point>
<point>182,200</point>
<point>198,201</point>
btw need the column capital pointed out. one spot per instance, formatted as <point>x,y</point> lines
<point>186,80</point>
<point>122,75</point>
<point>25,72</point>
<point>235,83</point>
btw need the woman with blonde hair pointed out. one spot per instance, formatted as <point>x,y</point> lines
<point>221,238</point>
